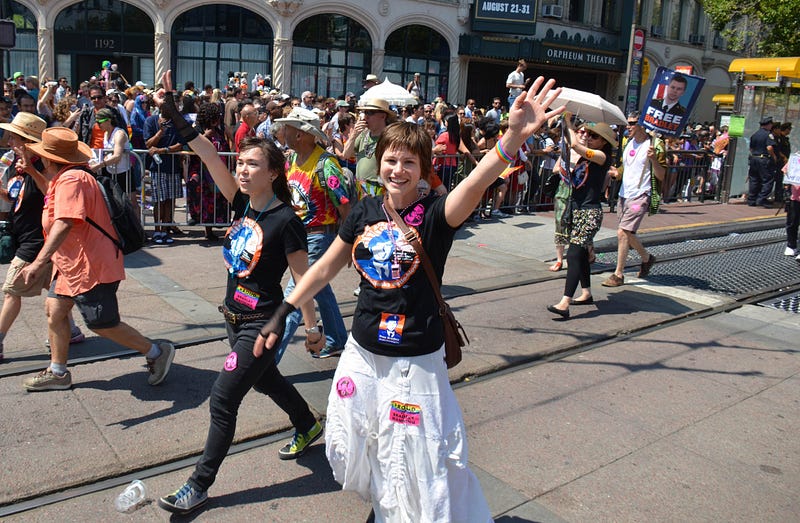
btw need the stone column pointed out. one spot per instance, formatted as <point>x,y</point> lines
<point>456,83</point>
<point>162,54</point>
<point>282,64</point>
<point>46,56</point>
<point>378,55</point>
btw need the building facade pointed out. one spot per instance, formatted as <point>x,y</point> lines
<point>461,48</point>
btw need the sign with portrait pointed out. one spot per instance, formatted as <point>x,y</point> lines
<point>670,102</point>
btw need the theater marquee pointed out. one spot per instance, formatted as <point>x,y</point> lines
<point>512,17</point>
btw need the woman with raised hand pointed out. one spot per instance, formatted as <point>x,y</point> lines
<point>591,146</point>
<point>265,238</point>
<point>395,432</point>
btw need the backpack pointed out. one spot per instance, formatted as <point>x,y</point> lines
<point>126,223</point>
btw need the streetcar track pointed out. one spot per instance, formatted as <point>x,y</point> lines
<point>507,281</point>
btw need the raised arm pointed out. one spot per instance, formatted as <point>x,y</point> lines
<point>201,145</point>
<point>525,117</point>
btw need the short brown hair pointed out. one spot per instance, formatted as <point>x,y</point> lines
<point>411,137</point>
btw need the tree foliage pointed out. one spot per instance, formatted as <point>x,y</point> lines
<point>757,27</point>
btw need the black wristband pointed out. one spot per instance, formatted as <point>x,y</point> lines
<point>170,110</point>
<point>277,322</point>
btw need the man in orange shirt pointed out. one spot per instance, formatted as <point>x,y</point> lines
<point>87,266</point>
<point>86,126</point>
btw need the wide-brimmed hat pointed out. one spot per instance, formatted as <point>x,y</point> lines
<point>371,78</point>
<point>375,104</point>
<point>61,145</point>
<point>606,132</point>
<point>27,125</point>
<point>304,120</point>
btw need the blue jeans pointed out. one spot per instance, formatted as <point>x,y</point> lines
<point>332,322</point>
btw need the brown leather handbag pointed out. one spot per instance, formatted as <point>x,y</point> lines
<point>454,335</point>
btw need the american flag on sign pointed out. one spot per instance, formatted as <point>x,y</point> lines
<point>662,81</point>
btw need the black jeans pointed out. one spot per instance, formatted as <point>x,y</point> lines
<point>792,223</point>
<point>241,372</point>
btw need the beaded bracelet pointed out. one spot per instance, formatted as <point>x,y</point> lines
<point>502,154</point>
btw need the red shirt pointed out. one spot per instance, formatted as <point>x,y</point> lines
<point>242,132</point>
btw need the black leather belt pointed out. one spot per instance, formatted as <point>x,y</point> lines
<point>321,229</point>
<point>238,318</point>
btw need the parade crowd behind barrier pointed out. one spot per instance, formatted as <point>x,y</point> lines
<point>696,151</point>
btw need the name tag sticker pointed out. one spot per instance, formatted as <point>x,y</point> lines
<point>246,297</point>
<point>405,413</point>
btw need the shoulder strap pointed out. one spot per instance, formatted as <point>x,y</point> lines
<point>412,238</point>
<point>93,223</point>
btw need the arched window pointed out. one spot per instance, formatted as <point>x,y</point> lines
<point>418,49</point>
<point>211,41</point>
<point>25,56</point>
<point>331,56</point>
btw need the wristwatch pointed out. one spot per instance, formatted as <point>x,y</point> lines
<point>313,330</point>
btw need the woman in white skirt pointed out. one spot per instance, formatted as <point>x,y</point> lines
<point>395,433</point>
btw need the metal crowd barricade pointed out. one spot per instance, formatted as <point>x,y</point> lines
<point>196,204</point>
<point>690,176</point>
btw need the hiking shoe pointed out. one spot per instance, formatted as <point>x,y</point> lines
<point>614,281</point>
<point>300,442</point>
<point>184,500</point>
<point>159,367</point>
<point>46,380</point>
<point>644,270</point>
<point>327,352</point>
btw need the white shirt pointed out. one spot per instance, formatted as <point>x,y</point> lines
<point>516,78</point>
<point>636,174</point>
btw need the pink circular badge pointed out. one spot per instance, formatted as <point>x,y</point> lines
<point>333,182</point>
<point>231,361</point>
<point>415,216</point>
<point>345,387</point>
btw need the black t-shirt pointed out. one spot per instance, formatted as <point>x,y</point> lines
<point>397,314</point>
<point>587,196</point>
<point>26,217</point>
<point>255,250</point>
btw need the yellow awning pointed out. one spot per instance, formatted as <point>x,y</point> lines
<point>723,99</point>
<point>767,67</point>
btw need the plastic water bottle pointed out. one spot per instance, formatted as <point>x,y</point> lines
<point>5,162</point>
<point>157,158</point>
<point>132,497</point>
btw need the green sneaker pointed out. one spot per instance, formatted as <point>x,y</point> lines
<point>300,442</point>
<point>184,500</point>
<point>46,380</point>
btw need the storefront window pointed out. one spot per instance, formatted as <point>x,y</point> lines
<point>212,41</point>
<point>24,57</point>
<point>418,49</point>
<point>330,56</point>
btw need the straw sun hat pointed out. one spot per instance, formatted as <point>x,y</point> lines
<point>61,145</point>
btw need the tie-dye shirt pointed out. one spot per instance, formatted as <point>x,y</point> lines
<point>317,192</point>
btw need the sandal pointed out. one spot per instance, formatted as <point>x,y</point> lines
<point>556,266</point>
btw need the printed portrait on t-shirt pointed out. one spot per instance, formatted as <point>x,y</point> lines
<point>246,240</point>
<point>384,257</point>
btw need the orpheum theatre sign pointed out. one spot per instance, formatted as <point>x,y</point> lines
<point>513,17</point>
<point>582,57</point>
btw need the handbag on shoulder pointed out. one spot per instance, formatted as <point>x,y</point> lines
<point>454,335</point>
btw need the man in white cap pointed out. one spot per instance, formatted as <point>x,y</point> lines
<point>374,116</point>
<point>87,265</point>
<point>321,198</point>
<point>371,80</point>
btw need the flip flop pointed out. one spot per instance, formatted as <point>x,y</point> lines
<point>556,266</point>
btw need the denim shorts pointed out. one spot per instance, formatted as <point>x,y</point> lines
<point>98,306</point>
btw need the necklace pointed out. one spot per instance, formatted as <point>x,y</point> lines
<point>395,266</point>
<point>262,211</point>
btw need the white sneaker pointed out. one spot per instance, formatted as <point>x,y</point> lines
<point>790,252</point>
<point>798,257</point>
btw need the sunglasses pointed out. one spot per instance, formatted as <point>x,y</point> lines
<point>97,97</point>
<point>590,134</point>
<point>370,113</point>
<point>632,123</point>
